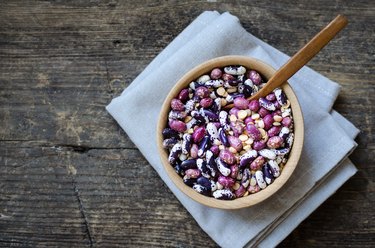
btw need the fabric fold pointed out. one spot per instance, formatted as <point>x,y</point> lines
<point>328,135</point>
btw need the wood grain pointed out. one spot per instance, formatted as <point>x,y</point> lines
<point>70,177</point>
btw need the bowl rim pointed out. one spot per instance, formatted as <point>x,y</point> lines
<point>266,71</point>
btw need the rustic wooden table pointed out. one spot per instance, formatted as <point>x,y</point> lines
<point>71,177</point>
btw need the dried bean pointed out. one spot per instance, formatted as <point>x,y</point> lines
<point>223,194</point>
<point>175,152</point>
<point>223,167</point>
<point>189,164</point>
<point>203,146</point>
<point>260,179</point>
<point>227,182</point>
<point>186,143</point>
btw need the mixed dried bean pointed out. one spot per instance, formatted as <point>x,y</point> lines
<point>228,154</point>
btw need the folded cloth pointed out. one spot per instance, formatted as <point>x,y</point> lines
<point>329,137</point>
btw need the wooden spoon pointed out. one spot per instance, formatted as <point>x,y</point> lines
<point>304,55</point>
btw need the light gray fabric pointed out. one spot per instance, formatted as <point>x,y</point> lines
<point>328,135</point>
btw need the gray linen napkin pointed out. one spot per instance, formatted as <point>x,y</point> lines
<point>328,135</point>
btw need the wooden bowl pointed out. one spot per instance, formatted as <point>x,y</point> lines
<point>266,71</point>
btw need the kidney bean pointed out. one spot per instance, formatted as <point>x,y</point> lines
<point>216,73</point>
<point>275,142</point>
<point>203,145</point>
<point>223,194</point>
<point>223,167</point>
<point>227,182</point>
<point>254,77</point>
<point>186,143</point>
<point>201,189</point>
<point>177,125</point>
<point>253,132</point>
<point>241,103</point>
<point>227,157</point>
<point>183,96</point>
<point>198,134</point>
<point>257,163</point>
<point>235,142</point>
<point>177,104</point>
<point>260,179</point>
<point>273,131</point>
<point>194,151</point>
<point>192,173</point>
<point>247,158</point>
<point>189,164</point>
<point>175,152</point>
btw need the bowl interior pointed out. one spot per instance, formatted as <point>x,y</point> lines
<point>266,71</point>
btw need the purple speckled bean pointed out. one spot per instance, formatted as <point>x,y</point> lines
<point>241,103</point>
<point>205,182</point>
<point>202,92</point>
<point>253,132</point>
<point>227,182</point>
<point>177,104</point>
<point>235,70</point>
<point>275,142</point>
<point>194,151</point>
<point>271,97</point>
<point>237,128</point>
<point>267,153</point>
<point>263,112</point>
<point>287,121</point>
<point>177,125</point>
<point>240,191</point>
<point>215,150</point>
<point>227,156</point>
<point>192,173</point>
<point>235,142</point>
<point>257,163</point>
<point>227,77</point>
<point>281,151</point>
<point>268,121</point>
<point>214,83</point>
<point>234,169</point>
<point>254,77</point>
<point>273,131</point>
<point>253,189</point>
<point>183,96</point>
<point>259,145</point>
<point>198,134</point>
<point>189,106</point>
<point>260,179</point>
<point>206,102</point>
<point>254,105</point>
<point>216,73</point>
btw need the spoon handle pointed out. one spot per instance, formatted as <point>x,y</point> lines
<point>304,55</point>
